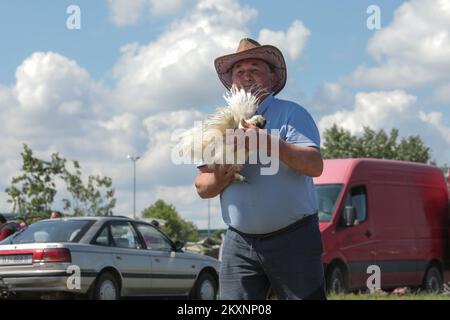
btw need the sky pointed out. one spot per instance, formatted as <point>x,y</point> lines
<point>137,70</point>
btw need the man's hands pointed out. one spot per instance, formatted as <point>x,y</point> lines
<point>305,160</point>
<point>212,181</point>
<point>253,131</point>
<point>225,173</point>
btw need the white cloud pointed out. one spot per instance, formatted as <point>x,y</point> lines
<point>49,90</point>
<point>130,12</point>
<point>126,132</point>
<point>126,12</point>
<point>179,63</point>
<point>167,7</point>
<point>412,51</point>
<point>157,158</point>
<point>375,109</point>
<point>291,43</point>
<point>331,96</point>
<point>47,79</point>
<point>436,120</point>
<point>71,108</point>
<point>176,70</point>
<point>442,93</point>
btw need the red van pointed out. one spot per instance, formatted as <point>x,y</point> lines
<point>391,214</point>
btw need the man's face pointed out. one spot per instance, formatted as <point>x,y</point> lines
<point>249,73</point>
<point>55,215</point>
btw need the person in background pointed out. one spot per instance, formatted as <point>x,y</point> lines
<point>56,215</point>
<point>7,228</point>
<point>156,224</point>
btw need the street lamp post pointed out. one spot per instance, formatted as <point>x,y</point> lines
<point>134,159</point>
<point>209,218</point>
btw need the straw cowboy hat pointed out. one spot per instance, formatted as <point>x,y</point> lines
<point>250,49</point>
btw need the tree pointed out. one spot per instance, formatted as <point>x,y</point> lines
<point>89,199</point>
<point>217,234</point>
<point>340,143</point>
<point>413,149</point>
<point>174,226</point>
<point>33,192</point>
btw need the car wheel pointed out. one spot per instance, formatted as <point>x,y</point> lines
<point>106,288</point>
<point>336,282</point>
<point>433,282</point>
<point>205,287</point>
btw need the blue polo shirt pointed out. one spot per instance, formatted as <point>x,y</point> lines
<point>271,202</point>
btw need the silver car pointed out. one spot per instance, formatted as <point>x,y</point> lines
<point>103,258</point>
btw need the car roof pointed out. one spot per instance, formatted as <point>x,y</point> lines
<point>341,170</point>
<point>96,218</point>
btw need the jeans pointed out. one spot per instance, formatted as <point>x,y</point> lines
<point>290,263</point>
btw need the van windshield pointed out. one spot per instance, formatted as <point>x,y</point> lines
<point>328,194</point>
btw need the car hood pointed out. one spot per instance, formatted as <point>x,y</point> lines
<point>199,256</point>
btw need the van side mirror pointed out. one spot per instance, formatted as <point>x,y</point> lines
<point>349,216</point>
<point>178,245</point>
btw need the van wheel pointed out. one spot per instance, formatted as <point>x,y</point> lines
<point>433,282</point>
<point>106,288</point>
<point>205,288</point>
<point>337,280</point>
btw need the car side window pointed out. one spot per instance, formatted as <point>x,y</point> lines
<point>154,240</point>
<point>102,238</point>
<point>357,198</point>
<point>124,236</point>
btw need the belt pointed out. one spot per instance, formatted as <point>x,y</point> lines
<point>297,224</point>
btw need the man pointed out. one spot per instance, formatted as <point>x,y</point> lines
<point>56,215</point>
<point>6,228</point>
<point>273,240</point>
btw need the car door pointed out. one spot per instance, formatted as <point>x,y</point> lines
<point>357,242</point>
<point>173,273</point>
<point>131,258</point>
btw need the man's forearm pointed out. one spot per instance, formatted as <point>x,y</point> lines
<point>207,186</point>
<point>305,160</point>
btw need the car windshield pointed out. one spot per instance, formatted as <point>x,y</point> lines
<point>52,231</point>
<point>328,194</point>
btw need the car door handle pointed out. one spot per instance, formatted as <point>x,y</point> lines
<point>156,260</point>
<point>118,257</point>
<point>368,234</point>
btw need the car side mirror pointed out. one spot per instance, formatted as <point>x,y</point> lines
<point>349,216</point>
<point>178,245</point>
